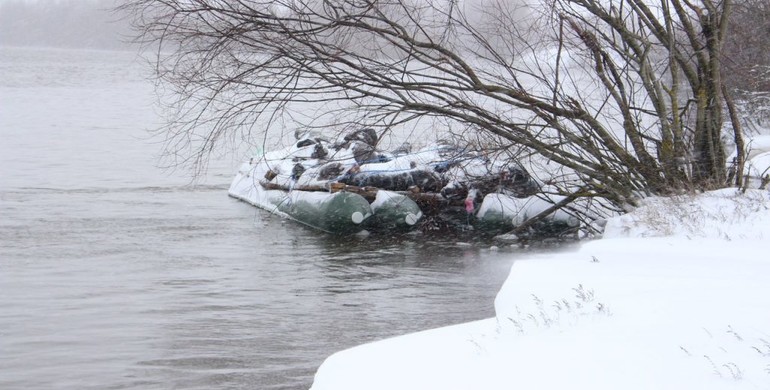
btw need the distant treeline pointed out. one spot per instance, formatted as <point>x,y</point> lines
<point>91,24</point>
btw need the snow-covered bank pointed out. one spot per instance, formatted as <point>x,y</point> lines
<point>676,296</point>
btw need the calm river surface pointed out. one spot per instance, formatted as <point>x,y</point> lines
<point>115,274</point>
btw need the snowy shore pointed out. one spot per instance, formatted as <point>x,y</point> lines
<point>675,296</point>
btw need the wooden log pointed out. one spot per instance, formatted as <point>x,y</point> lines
<point>282,187</point>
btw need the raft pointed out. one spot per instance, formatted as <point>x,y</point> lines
<point>347,186</point>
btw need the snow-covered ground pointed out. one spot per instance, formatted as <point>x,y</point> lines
<point>675,296</point>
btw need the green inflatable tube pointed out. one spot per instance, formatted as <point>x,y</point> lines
<point>336,213</point>
<point>393,211</point>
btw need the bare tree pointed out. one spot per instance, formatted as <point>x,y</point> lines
<point>603,99</point>
<point>747,58</point>
<point>747,62</point>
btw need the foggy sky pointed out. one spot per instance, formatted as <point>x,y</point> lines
<point>88,24</point>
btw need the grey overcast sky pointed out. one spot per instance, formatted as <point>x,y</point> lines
<point>62,23</point>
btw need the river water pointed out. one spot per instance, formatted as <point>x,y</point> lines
<point>115,274</point>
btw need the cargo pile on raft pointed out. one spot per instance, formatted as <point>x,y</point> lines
<point>348,186</point>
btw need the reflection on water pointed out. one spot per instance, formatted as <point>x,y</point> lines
<point>191,289</point>
<point>114,275</point>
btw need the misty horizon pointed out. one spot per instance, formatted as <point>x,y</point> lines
<point>81,24</point>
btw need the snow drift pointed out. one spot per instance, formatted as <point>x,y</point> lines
<point>675,296</point>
